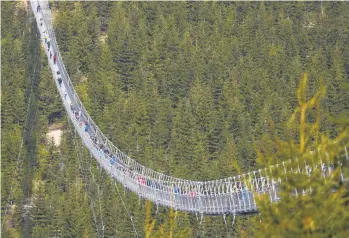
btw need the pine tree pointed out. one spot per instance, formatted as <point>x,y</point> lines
<point>39,213</point>
<point>183,138</point>
<point>322,210</point>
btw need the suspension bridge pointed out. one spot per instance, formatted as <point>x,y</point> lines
<point>233,195</point>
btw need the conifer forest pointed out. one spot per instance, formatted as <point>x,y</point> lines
<point>196,90</point>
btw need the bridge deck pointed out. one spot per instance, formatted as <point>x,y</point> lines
<point>230,195</point>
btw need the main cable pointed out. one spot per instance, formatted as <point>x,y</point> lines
<point>123,203</point>
<point>20,151</point>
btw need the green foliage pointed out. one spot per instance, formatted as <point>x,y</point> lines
<point>14,102</point>
<point>167,229</point>
<point>323,210</point>
<point>195,90</point>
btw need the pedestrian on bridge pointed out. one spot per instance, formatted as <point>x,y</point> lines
<point>50,55</point>
<point>76,114</point>
<point>60,82</point>
<point>54,58</point>
<point>86,126</point>
<point>48,44</point>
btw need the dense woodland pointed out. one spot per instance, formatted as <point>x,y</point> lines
<point>197,90</point>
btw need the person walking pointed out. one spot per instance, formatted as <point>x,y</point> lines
<point>86,127</point>
<point>54,58</point>
<point>48,44</point>
<point>60,82</point>
<point>38,8</point>
<point>50,55</point>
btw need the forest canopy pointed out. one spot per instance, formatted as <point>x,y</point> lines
<point>196,90</point>
<point>200,84</point>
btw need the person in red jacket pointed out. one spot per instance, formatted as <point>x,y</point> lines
<point>54,58</point>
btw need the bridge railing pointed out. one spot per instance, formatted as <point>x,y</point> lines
<point>233,194</point>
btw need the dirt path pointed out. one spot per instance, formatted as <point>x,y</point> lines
<point>56,135</point>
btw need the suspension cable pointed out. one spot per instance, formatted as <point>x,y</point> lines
<point>20,152</point>
<point>78,148</point>
<point>123,203</point>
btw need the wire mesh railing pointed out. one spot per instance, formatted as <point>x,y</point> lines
<point>229,195</point>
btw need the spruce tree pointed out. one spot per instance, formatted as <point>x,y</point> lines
<point>312,202</point>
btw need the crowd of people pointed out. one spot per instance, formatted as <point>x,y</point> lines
<point>125,170</point>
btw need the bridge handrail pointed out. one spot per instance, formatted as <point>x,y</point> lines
<point>251,181</point>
